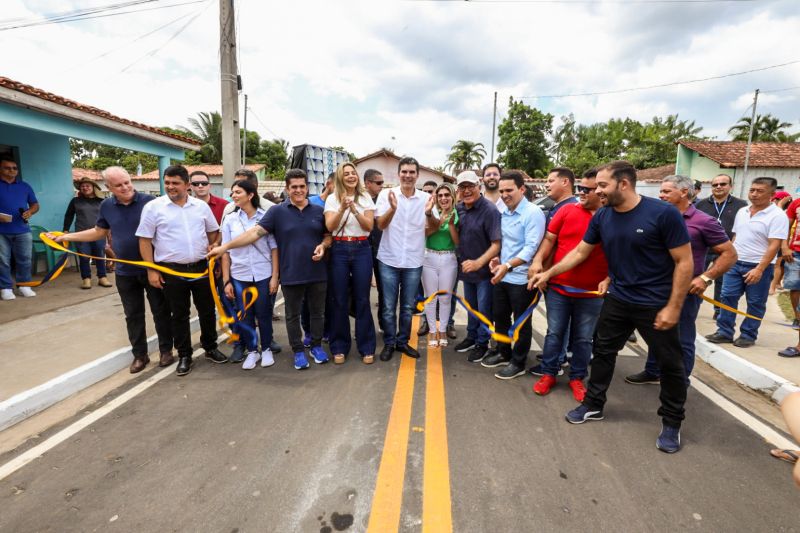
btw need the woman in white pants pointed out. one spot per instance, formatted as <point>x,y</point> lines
<point>440,267</point>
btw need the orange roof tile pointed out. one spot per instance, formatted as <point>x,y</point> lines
<point>655,174</point>
<point>762,154</point>
<point>389,153</point>
<point>211,170</point>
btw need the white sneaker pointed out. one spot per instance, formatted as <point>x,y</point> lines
<point>27,292</point>
<point>266,358</point>
<point>251,360</point>
<point>7,294</point>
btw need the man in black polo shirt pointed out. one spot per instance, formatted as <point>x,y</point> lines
<point>299,229</point>
<point>120,214</point>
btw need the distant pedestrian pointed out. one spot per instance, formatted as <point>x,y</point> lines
<point>84,209</point>
<point>17,204</point>
<point>491,184</point>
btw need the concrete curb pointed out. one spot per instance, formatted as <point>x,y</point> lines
<point>743,371</point>
<point>28,403</point>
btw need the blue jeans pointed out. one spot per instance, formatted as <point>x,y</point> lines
<point>97,249</point>
<point>733,287</point>
<point>479,296</point>
<point>402,282</point>
<point>687,330</point>
<point>351,271</point>
<point>261,311</point>
<point>20,247</point>
<point>573,318</point>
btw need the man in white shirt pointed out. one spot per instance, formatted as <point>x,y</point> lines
<point>400,214</point>
<point>175,231</point>
<point>758,231</point>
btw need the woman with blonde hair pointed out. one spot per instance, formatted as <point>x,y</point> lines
<point>350,216</point>
<point>440,266</point>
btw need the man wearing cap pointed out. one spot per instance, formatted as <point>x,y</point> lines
<point>479,242</point>
<point>83,209</point>
<point>17,205</point>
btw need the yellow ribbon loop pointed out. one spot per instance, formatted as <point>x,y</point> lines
<point>728,308</point>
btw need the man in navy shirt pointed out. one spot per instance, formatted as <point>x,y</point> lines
<point>17,205</point>
<point>120,214</point>
<point>650,264</point>
<point>299,229</point>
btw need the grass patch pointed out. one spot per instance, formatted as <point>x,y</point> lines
<point>786,305</point>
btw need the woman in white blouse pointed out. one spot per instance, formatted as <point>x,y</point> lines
<point>255,265</point>
<point>349,215</point>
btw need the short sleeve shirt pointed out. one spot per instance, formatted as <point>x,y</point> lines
<point>13,197</point>
<point>637,245</point>
<point>122,220</point>
<point>556,208</point>
<point>297,233</point>
<point>569,226</point>
<point>791,212</point>
<point>254,261</point>
<point>704,233</point>
<point>217,206</point>
<point>179,233</point>
<point>349,225</point>
<point>753,232</point>
<point>478,227</point>
<point>403,241</point>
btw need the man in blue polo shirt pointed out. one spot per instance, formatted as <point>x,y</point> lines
<point>120,214</point>
<point>17,205</point>
<point>299,229</point>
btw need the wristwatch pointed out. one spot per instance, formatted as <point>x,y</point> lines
<point>708,280</point>
<point>508,266</point>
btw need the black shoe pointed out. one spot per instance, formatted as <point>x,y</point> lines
<point>465,345</point>
<point>510,371</point>
<point>237,356</point>
<point>477,354</point>
<point>643,378</point>
<point>184,366</point>
<point>215,356</point>
<point>386,353</point>
<point>632,338</point>
<point>274,347</point>
<point>539,355</point>
<point>423,329</point>
<point>494,360</point>
<point>716,338</point>
<point>716,314</point>
<point>408,350</point>
<point>537,370</point>
<point>742,342</point>
<point>451,333</point>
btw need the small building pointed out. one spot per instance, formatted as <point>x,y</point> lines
<point>648,180</point>
<point>149,181</point>
<point>386,162</point>
<point>702,160</point>
<point>35,129</point>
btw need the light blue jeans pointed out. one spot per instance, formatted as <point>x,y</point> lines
<point>20,247</point>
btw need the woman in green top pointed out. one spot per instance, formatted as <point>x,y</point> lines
<point>440,267</point>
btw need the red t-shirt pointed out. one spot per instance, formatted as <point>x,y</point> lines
<point>791,212</point>
<point>217,206</point>
<point>569,226</point>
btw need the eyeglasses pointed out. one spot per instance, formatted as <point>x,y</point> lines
<point>718,185</point>
<point>584,190</point>
<point>200,183</point>
<point>376,182</point>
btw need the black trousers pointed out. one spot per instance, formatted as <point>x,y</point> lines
<point>132,291</point>
<point>510,299</point>
<point>179,294</point>
<point>617,321</point>
<point>315,295</point>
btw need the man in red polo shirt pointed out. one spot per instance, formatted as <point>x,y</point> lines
<point>201,187</point>
<point>571,310</point>
<point>790,249</point>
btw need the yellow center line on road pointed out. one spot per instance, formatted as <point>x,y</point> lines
<point>436,510</point>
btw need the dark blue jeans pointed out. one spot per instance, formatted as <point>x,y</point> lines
<point>260,311</point>
<point>687,329</point>
<point>305,315</point>
<point>733,287</point>
<point>479,296</point>
<point>398,284</point>
<point>573,318</point>
<point>97,249</point>
<point>351,274</point>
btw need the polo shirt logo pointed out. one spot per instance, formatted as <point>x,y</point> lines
<point>639,230</point>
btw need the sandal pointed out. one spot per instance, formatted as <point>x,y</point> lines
<point>433,340</point>
<point>442,339</point>
<point>790,456</point>
<point>791,351</point>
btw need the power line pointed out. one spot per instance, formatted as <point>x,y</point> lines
<point>589,2</point>
<point>265,126</point>
<point>661,85</point>
<point>781,90</point>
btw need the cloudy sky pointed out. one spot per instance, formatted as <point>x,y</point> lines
<point>416,76</point>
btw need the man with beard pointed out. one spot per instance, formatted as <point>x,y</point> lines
<point>650,264</point>
<point>491,184</point>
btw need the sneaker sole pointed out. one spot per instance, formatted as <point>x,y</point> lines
<point>216,362</point>
<point>518,374</point>
<point>667,451</point>
<point>476,360</point>
<point>320,361</point>
<point>268,365</point>
<point>585,419</point>
<point>301,367</point>
<point>185,373</point>
<point>495,365</point>
<point>464,350</point>
<point>642,382</point>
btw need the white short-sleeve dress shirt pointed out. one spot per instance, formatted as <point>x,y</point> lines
<point>179,233</point>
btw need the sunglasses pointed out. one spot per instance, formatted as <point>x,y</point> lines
<point>718,185</point>
<point>377,182</point>
<point>200,183</point>
<point>584,190</point>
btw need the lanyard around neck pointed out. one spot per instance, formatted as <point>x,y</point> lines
<point>722,209</point>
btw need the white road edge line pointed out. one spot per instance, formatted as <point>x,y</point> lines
<point>760,428</point>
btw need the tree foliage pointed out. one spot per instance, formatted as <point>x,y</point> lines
<point>465,155</point>
<point>96,156</point>
<point>524,138</point>
<point>767,129</point>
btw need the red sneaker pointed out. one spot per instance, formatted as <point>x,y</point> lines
<point>544,385</point>
<point>578,390</point>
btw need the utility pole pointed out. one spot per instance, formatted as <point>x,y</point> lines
<point>494,118</point>
<point>229,79</point>
<point>749,142</point>
<point>244,135</point>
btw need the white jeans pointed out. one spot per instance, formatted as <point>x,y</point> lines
<point>439,271</point>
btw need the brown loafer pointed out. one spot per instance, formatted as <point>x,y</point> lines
<point>139,364</point>
<point>368,359</point>
<point>103,282</point>
<point>338,359</point>
<point>166,359</point>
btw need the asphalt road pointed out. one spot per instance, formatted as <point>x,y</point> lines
<point>280,450</point>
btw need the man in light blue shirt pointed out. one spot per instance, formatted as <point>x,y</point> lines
<point>523,227</point>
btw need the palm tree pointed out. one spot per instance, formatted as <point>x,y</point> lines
<point>767,129</point>
<point>464,155</point>
<point>208,127</point>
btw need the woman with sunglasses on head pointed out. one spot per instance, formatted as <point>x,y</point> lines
<point>440,267</point>
<point>255,265</point>
<point>350,217</point>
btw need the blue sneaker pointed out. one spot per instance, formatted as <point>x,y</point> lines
<point>237,356</point>
<point>300,361</point>
<point>319,355</point>
<point>307,340</point>
<point>581,414</point>
<point>670,439</point>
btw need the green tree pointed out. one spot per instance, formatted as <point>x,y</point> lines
<point>275,155</point>
<point>96,156</point>
<point>768,128</point>
<point>524,138</point>
<point>350,155</point>
<point>207,128</point>
<point>465,155</point>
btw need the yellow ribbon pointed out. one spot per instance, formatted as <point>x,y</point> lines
<point>729,308</point>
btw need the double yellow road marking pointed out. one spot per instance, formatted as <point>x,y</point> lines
<point>388,497</point>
